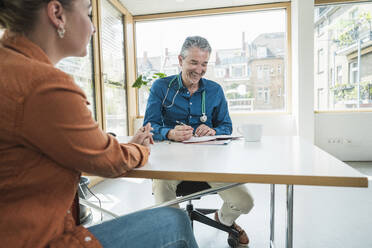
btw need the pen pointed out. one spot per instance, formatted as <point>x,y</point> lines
<point>180,123</point>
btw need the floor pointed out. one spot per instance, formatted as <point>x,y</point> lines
<point>324,217</point>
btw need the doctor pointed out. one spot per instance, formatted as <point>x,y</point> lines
<point>186,104</point>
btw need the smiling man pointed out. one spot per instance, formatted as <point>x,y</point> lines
<point>187,104</point>
<point>187,98</point>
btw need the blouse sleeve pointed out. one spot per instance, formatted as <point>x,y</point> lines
<point>57,122</point>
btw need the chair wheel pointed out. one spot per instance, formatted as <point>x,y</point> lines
<point>233,242</point>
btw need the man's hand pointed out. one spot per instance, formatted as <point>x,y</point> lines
<point>143,136</point>
<point>180,133</point>
<point>204,130</point>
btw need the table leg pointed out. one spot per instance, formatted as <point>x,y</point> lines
<point>272,214</point>
<point>289,233</point>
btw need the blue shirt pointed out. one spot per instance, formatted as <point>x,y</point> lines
<point>186,109</point>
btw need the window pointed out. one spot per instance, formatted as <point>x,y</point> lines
<point>320,28</point>
<point>331,77</point>
<point>353,69</point>
<point>243,54</point>
<point>353,14</point>
<point>115,100</point>
<point>264,95</point>
<point>219,73</point>
<point>339,74</point>
<point>81,69</point>
<point>321,10</point>
<point>347,39</point>
<point>263,72</point>
<point>238,71</point>
<point>320,60</point>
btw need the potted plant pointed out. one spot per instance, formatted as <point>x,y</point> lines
<point>144,80</point>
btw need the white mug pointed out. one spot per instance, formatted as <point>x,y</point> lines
<point>251,132</point>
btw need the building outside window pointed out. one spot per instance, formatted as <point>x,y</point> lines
<point>241,60</point>
<point>344,50</point>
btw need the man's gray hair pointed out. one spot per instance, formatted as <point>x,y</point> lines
<point>195,41</point>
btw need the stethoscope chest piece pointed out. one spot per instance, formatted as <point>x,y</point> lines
<point>203,118</point>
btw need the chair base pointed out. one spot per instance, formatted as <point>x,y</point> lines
<point>198,215</point>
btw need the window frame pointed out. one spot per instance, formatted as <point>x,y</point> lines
<point>338,74</point>
<point>228,10</point>
<point>98,66</point>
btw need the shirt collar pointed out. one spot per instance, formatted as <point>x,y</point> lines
<point>21,44</point>
<point>201,84</point>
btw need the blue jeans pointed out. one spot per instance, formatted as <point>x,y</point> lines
<point>159,228</point>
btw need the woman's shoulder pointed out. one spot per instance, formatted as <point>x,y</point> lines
<point>21,76</point>
<point>20,67</point>
<point>47,76</point>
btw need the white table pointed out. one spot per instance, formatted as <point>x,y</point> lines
<point>274,160</point>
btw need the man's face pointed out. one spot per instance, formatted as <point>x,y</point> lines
<point>194,65</point>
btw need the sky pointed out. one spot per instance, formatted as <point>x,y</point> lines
<point>222,31</point>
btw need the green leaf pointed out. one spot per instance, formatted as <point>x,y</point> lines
<point>139,82</point>
<point>160,74</point>
<point>143,80</point>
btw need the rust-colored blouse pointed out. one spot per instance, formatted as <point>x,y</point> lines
<point>47,138</point>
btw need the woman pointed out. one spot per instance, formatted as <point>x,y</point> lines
<point>48,137</point>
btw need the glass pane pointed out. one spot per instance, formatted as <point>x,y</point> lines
<point>344,44</point>
<point>247,60</point>
<point>81,69</point>
<point>114,70</point>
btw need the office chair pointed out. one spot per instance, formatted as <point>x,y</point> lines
<point>189,187</point>
<point>85,213</point>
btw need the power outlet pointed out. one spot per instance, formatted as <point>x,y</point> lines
<point>339,140</point>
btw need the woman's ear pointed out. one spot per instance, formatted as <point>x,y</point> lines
<point>56,14</point>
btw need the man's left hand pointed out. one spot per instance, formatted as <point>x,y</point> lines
<point>204,130</point>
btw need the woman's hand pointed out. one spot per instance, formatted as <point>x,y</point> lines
<point>143,136</point>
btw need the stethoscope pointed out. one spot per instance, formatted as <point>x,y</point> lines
<point>203,117</point>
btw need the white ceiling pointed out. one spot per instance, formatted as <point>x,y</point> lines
<point>144,7</point>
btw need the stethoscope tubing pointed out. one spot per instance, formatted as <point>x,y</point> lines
<point>174,97</point>
<point>203,118</point>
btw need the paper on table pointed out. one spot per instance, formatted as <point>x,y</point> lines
<point>213,142</point>
<point>224,136</point>
<point>195,139</point>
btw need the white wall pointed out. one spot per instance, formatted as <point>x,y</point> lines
<point>273,124</point>
<point>347,136</point>
<point>303,67</point>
